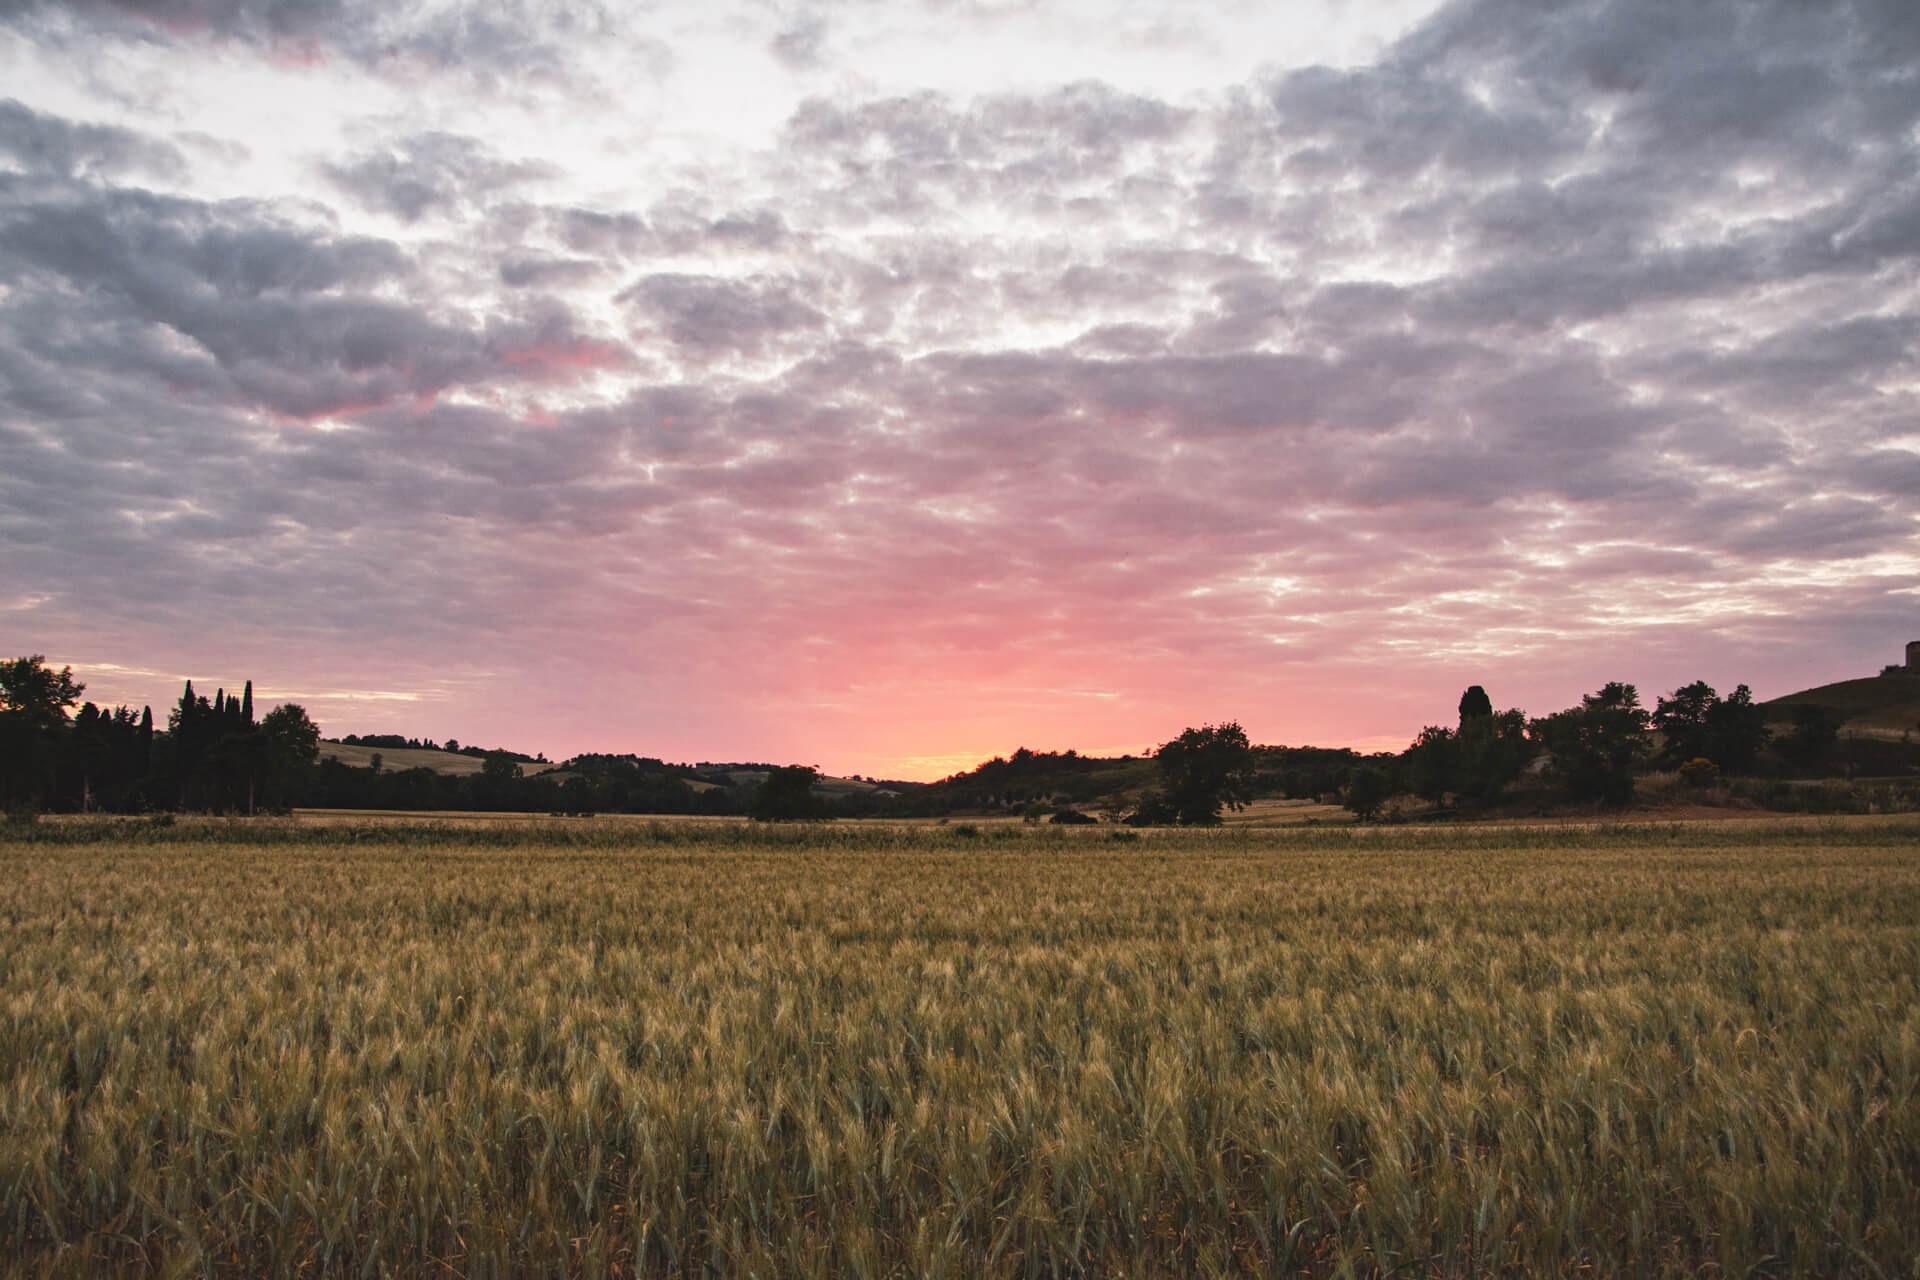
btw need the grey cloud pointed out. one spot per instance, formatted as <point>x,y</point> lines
<point>505,43</point>
<point>1397,121</point>
<point>800,46</point>
<point>596,231</point>
<point>63,148</point>
<point>271,314</point>
<point>709,314</point>
<point>544,273</point>
<point>431,173</point>
<point>1821,529</point>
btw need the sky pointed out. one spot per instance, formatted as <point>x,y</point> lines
<point>885,386</point>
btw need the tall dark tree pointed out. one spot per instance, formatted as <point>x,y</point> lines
<point>34,702</point>
<point>1365,792</point>
<point>1471,765</point>
<point>1810,741</point>
<point>787,795</point>
<point>1737,731</point>
<point>1698,724</point>
<point>1201,772</point>
<point>291,744</point>
<point>1595,746</point>
<point>1681,721</point>
<point>1490,751</point>
<point>1430,765</point>
<point>38,694</point>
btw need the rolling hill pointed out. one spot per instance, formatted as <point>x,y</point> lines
<point>398,759</point>
<point>1883,706</point>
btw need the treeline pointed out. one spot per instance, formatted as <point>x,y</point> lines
<point>1594,754</point>
<point>598,784</point>
<point>58,753</point>
<point>1598,752</point>
<point>400,742</point>
<point>213,756</point>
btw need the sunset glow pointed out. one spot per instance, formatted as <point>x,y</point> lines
<point>888,387</point>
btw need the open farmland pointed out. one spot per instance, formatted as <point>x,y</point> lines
<point>690,1049</point>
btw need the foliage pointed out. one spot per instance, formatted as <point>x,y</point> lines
<point>1201,772</point>
<point>34,702</point>
<point>788,796</point>
<point>36,695</point>
<point>1815,730</point>
<point>1367,791</point>
<point>1595,746</point>
<point>1697,723</point>
<point>624,1048</point>
<point>1699,772</point>
<point>1471,765</point>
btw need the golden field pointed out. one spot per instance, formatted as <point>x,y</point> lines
<point>614,1047</point>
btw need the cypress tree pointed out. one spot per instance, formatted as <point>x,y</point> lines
<point>1474,704</point>
<point>246,704</point>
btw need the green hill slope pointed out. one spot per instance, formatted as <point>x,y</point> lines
<point>1880,706</point>
<point>397,759</point>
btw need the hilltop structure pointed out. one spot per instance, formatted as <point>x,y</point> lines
<point>1913,656</point>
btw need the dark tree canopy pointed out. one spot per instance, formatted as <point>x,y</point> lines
<point>37,694</point>
<point>1698,724</point>
<point>787,795</point>
<point>1474,704</point>
<point>1595,745</point>
<point>1202,771</point>
<point>1367,790</point>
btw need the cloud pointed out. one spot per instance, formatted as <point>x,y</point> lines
<point>505,43</point>
<point>431,173</point>
<point>1563,343</point>
<point>707,314</point>
<point>801,45</point>
<point>47,145</point>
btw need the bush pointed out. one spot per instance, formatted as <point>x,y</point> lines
<point>1699,772</point>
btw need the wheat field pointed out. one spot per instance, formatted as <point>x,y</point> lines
<point>609,1049</point>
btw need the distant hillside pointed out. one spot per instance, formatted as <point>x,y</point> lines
<point>747,777</point>
<point>1884,706</point>
<point>1114,784</point>
<point>398,759</point>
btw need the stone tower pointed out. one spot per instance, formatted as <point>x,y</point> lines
<point>1913,656</point>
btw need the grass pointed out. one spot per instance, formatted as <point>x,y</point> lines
<point>613,1048</point>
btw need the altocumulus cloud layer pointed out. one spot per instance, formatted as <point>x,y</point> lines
<point>780,382</point>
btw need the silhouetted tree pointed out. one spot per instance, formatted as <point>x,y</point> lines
<point>787,795</point>
<point>1430,764</point>
<point>1697,724</point>
<point>1815,729</point>
<point>1366,791</point>
<point>1202,771</point>
<point>1490,751</point>
<point>1737,731</point>
<point>1596,744</point>
<point>1681,721</point>
<point>1473,764</point>
<point>291,744</point>
<point>34,702</point>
